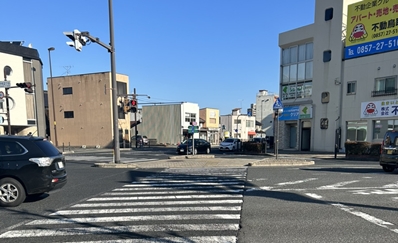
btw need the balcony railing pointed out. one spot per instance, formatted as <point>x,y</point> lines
<point>384,92</point>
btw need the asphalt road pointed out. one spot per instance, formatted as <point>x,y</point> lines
<point>331,201</point>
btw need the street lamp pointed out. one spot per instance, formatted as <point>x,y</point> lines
<point>52,96</point>
<point>262,115</point>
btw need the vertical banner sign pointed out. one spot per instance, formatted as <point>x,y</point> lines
<point>372,27</point>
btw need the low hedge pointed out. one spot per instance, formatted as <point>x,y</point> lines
<point>362,148</point>
<point>252,147</point>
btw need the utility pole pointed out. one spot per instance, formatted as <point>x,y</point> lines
<point>135,120</point>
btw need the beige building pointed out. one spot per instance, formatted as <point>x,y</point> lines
<point>80,110</point>
<point>210,129</point>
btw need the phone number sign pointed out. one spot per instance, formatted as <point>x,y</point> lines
<point>372,27</point>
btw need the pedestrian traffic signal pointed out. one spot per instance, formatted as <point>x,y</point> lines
<point>27,86</point>
<point>126,105</point>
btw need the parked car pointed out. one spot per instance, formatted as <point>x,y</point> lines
<point>201,146</point>
<point>29,166</point>
<point>389,151</point>
<point>258,140</point>
<point>229,144</point>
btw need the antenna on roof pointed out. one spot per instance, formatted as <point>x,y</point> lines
<point>67,68</point>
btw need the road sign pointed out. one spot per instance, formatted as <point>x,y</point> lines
<point>1,94</point>
<point>278,104</point>
<point>193,129</point>
<point>5,84</point>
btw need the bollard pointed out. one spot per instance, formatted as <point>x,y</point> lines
<point>69,147</point>
<point>63,147</point>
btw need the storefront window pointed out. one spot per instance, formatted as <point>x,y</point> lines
<point>380,127</point>
<point>356,131</point>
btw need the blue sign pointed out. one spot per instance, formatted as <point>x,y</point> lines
<point>369,48</point>
<point>278,104</point>
<point>290,113</point>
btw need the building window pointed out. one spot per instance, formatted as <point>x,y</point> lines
<point>299,90</point>
<point>385,86</point>
<point>68,114</point>
<point>356,131</point>
<point>380,127</point>
<point>327,56</point>
<point>190,117</point>
<point>328,14</point>
<point>249,123</point>
<point>351,87</point>
<point>67,90</point>
<point>212,121</point>
<point>237,121</point>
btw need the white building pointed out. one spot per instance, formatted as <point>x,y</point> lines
<point>339,75</point>
<point>238,125</point>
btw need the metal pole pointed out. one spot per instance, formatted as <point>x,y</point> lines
<point>114,89</point>
<point>52,97</point>
<point>261,119</point>
<point>277,134</point>
<point>8,113</point>
<point>135,121</point>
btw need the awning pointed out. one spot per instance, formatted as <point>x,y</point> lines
<point>251,133</point>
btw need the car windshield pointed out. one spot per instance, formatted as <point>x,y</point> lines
<point>229,140</point>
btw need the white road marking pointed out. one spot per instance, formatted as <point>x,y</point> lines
<point>340,184</point>
<point>313,195</point>
<point>171,192</point>
<point>367,217</point>
<point>296,182</point>
<point>118,230</point>
<point>157,203</point>
<point>133,218</point>
<point>391,185</point>
<point>185,184</point>
<point>376,191</point>
<point>146,210</point>
<point>181,181</point>
<point>196,239</point>
<point>179,188</point>
<point>164,197</point>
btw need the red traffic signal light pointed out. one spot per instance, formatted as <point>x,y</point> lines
<point>134,103</point>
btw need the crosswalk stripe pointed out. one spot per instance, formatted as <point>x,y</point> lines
<point>118,230</point>
<point>181,181</point>
<point>171,192</point>
<point>133,218</point>
<point>142,210</point>
<point>164,197</point>
<point>186,184</point>
<point>196,239</point>
<point>158,203</point>
<point>180,188</point>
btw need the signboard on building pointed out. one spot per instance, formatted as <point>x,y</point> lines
<point>379,109</point>
<point>290,113</point>
<point>305,111</point>
<point>372,27</point>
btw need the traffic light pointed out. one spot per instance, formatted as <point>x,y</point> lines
<point>27,86</point>
<point>134,105</point>
<point>78,41</point>
<point>126,105</point>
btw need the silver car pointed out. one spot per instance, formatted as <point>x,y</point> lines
<point>229,144</point>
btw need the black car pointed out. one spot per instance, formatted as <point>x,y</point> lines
<point>201,146</point>
<point>389,151</point>
<point>29,166</point>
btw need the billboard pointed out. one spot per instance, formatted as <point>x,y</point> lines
<point>379,109</point>
<point>372,27</point>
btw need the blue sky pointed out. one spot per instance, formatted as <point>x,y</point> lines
<point>217,53</point>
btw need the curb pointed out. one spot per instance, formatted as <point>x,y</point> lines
<point>192,157</point>
<point>114,165</point>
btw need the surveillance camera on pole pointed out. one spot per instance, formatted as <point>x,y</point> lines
<point>78,41</point>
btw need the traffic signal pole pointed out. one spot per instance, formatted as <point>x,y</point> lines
<point>135,121</point>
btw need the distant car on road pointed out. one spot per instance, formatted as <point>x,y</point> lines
<point>29,166</point>
<point>140,139</point>
<point>229,144</point>
<point>201,146</point>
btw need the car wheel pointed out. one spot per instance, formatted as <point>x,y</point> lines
<point>12,193</point>
<point>388,168</point>
<point>208,151</point>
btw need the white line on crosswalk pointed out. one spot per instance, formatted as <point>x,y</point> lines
<point>196,239</point>
<point>133,218</point>
<point>179,188</point>
<point>164,197</point>
<point>181,181</point>
<point>296,182</point>
<point>170,191</point>
<point>313,195</point>
<point>158,203</point>
<point>145,210</point>
<point>185,184</point>
<point>118,230</point>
